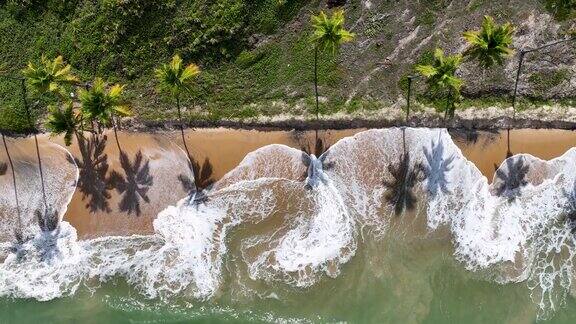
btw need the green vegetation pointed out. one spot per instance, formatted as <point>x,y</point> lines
<point>329,34</point>
<point>175,78</point>
<point>122,41</point>
<point>546,80</point>
<point>562,9</point>
<point>104,105</point>
<point>490,45</point>
<point>64,121</point>
<point>254,64</point>
<point>441,78</point>
<point>48,77</point>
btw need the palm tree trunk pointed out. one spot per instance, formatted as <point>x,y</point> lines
<point>518,72</point>
<point>181,124</point>
<point>447,107</point>
<point>116,134</point>
<point>20,223</point>
<point>316,88</point>
<point>30,124</point>
<point>316,83</point>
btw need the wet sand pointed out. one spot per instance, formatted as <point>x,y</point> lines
<point>157,181</point>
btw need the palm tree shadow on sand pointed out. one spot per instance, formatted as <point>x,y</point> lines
<point>3,168</point>
<point>436,169</point>
<point>314,159</point>
<point>199,186</point>
<point>93,165</point>
<point>400,189</point>
<point>473,136</point>
<point>513,176</point>
<point>133,186</point>
<point>48,222</point>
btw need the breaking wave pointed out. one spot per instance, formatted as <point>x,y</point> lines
<point>298,218</point>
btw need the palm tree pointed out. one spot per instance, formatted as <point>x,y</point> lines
<point>329,34</point>
<point>50,76</point>
<point>104,105</point>
<point>441,76</point>
<point>174,78</point>
<point>45,78</point>
<point>65,121</point>
<point>3,169</point>
<point>490,45</point>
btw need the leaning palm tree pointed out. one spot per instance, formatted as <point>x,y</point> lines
<point>329,34</point>
<point>18,232</point>
<point>104,105</point>
<point>490,45</point>
<point>67,121</point>
<point>441,77</point>
<point>174,79</point>
<point>48,77</point>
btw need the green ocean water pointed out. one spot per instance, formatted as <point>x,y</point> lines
<point>401,279</point>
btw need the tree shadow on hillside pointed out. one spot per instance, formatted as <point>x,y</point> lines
<point>93,165</point>
<point>133,186</point>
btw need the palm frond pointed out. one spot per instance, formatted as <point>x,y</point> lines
<point>64,121</point>
<point>491,44</point>
<point>49,76</point>
<point>174,77</point>
<point>328,32</point>
<point>101,104</point>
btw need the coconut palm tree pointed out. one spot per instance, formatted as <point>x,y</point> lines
<point>104,105</point>
<point>65,121</point>
<point>3,169</point>
<point>491,44</point>
<point>174,79</point>
<point>48,77</point>
<point>441,76</point>
<point>329,34</point>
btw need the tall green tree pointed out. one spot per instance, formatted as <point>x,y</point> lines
<point>491,44</point>
<point>328,34</point>
<point>175,78</point>
<point>441,77</point>
<point>47,77</point>
<point>105,105</point>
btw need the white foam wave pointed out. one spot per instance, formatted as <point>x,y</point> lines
<point>516,229</point>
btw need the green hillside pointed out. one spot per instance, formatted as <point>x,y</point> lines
<point>255,54</point>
